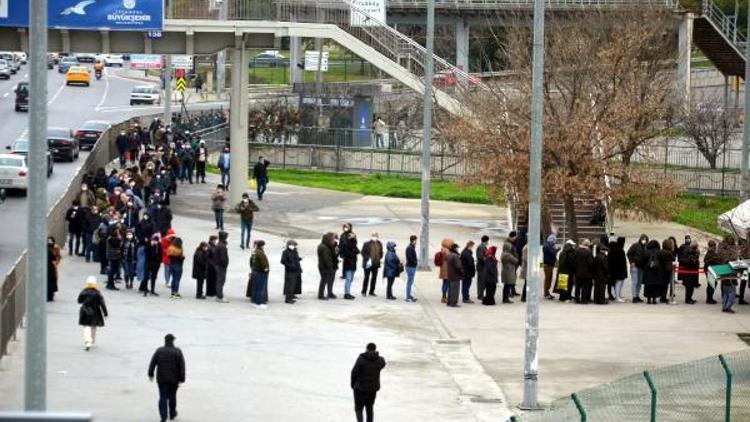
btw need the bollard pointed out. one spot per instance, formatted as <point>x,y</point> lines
<point>579,406</point>
<point>651,387</point>
<point>728,372</point>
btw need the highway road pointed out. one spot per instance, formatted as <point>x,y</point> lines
<point>68,106</point>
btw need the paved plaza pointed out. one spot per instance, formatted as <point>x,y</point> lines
<point>292,362</point>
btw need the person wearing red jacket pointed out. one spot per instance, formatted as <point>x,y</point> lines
<point>165,242</point>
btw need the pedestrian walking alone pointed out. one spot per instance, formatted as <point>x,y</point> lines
<point>365,381</point>
<point>246,209</point>
<point>169,365</point>
<point>218,199</point>
<point>92,313</point>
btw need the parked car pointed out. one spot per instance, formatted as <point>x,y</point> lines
<point>89,133</point>
<point>145,94</point>
<point>78,75</point>
<point>62,144</point>
<point>21,147</point>
<point>10,58</point>
<point>22,96</point>
<point>66,63</point>
<point>14,173</point>
<point>268,59</point>
<point>5,71</point>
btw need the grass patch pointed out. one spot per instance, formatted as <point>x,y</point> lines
<point>701,212</point>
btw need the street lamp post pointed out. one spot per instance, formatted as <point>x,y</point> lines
<point>424,235</point>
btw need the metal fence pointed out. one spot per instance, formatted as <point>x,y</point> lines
<point>711,389</point>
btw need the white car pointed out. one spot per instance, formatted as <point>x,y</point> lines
<point>85,57</point>
<point>145,94</point>
<point>21,56</point>
<point>110,59</point>
<point>4,69</point>
<point>14,172</point>
<point>9,57</point>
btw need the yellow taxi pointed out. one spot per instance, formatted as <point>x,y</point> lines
<point>78,75</point>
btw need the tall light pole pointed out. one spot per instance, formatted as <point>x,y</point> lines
<point>531,358</point>
<point>424,235</point>
<point>744,182</point>
<point>35,363</point>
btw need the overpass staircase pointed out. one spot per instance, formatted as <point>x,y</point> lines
<point>717,36</point>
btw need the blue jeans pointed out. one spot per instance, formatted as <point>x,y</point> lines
<point>87,245</point>
<point>167,273</point>
<point>410,271</point>
<point>728,294</point>
<point>219,216</point>
<point>225,178</point>
<point>636,278</point>
<point>245,228</point>
<point>176,273</point>
<point>465,285</point>
<point>261,188</point>
<point>348,279</point>
<point>260,279</point>
<point>445,288</point>
<point>128,268</point>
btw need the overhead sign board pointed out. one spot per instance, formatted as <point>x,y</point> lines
<point>114,15</point>
<point>371,8</point>
<point>311,61</point>
<point>145,61</point>
<point>180,61</point>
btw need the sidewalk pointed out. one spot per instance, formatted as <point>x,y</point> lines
<point>139,75</point>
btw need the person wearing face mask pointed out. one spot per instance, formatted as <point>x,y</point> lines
<point>245,209</point>
<point>211,261</point>
<point>114,251</point>
<point>201,157</point>
<point>372,254</point>
<point>260,174</point>
<point>176,259</point>
<point>260,268</point>
<point>153,262</point>
<point>200,268</point>
<point>637,257</point>
<point>218,198</point>
<point>91,221</point>
<point>74,216</point>
<point>290,259</point>
<point>129,252</point>
<point>467,261</point>
<point>86,198</point>
<point>223,164</point>
<point>162,216</point>
<point>411,267</point>
<point>348,251</point>
<point>130,214</point>
<point>122,146</point>
<point>392,268</point>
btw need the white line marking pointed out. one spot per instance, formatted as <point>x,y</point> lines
<point>54,97</point>
<point>106,91</point>
<point>26,76</point>
<point>6,94</point>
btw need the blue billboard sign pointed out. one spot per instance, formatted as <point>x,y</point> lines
<point>114,15</point>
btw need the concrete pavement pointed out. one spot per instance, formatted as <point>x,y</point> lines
<point>444,364</point>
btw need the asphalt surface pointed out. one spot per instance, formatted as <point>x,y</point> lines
<point>68,106</point>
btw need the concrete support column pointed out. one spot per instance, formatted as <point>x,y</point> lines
<point>24,36</point>
<point>295,57</point>
<point>685,45</point>
<point>238,121</point>
<point>147,47</point>
<point>462,45</point>
<point>189,43</point>
<point>65,41</point>
<point>105,41</point>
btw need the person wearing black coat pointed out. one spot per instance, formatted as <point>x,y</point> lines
<point>92,313</point>
<point>52,260</point>
<point>584,270</point>
<point>153,262</point>
<point>566,266</point>
<point>290,259</point>
<point>200,268</point>
<point>327,265</point>
<point>365,381</point>
<point>75,217</point>
<point>490,275</point>
<point>411,267</point>
<point>711,258</point>
<point>618,268</point>
<point>348,251</point>
<point>470,270</point>
<point>653,278</point>
<point>169,365</point>
<point>114,257</point>
<point>601,276</point>
<point>690,262</point>
<point>162,216</point>
<point>211,273</point>
<point>91,221</point>
<point>481,253</point>
<point>220,260</point>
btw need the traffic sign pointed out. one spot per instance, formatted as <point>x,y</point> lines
<point>180,84</point>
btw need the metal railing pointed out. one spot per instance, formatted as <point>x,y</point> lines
<point>529,4</point>
<point>725,25</point>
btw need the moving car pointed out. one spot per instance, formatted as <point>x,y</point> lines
<point>21,56</point>
<point>66,63</point>
<point>11,59</point>
<point>22,96</point>
<point>78,75</point>
<point>269,58</point>
<point>21,148</point>
<point>89,133</point>
<point>14,173</point>
<point>145,94</point>
<point>50,60</point>
<point>5,71</point>
<point>111,59</point>
<point>62,144</point>
<point>85,57</point>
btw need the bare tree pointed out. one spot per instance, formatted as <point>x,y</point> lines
<point>709,126</point>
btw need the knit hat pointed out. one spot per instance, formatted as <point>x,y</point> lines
<point>91,281</point>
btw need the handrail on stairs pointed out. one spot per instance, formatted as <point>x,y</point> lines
<point>725,25</point>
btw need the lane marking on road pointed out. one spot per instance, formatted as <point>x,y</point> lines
<point>6,94</point>
<point>54,97</point>
<point>106,91</point>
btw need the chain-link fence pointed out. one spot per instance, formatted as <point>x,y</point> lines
<point>711,389</point>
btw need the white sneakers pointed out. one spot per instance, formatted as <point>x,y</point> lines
<point>261,306</point>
